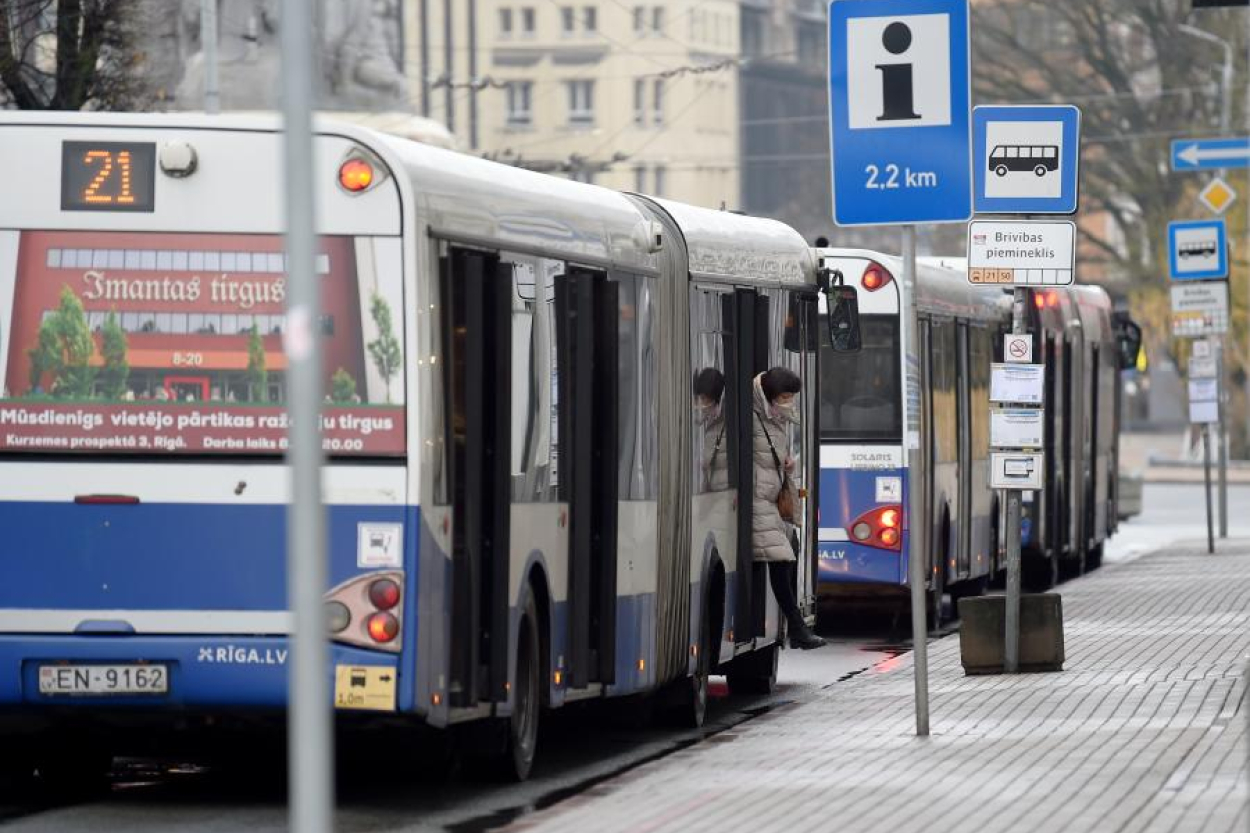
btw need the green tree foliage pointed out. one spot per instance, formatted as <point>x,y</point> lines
<point>342,387</point>
<point>116,367</point>
<point>388,356</point>
<point>64,350</point>
<point>257,375</point>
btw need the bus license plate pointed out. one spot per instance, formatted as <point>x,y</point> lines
<point>103,679</point>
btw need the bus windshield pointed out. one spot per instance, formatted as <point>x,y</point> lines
<point>172,343</point>
<point>860,396</point>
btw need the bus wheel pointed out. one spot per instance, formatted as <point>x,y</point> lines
<point>1001,170</point>
<point>756,672</point>
<point>1040,170</point>
<point>694,707</point>
<point>518,759</point>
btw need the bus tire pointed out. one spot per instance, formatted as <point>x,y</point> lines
<point>756,672</point>
<point>1040,170</point>
<point>693,708</point>
<point>1001,170</point>
<point>522,741</point>
<point>1093,557</point>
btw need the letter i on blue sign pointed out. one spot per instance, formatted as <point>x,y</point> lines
<point>899,94</point>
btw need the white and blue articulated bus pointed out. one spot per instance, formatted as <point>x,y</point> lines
<point>876,447</point>
<point>523,510</point>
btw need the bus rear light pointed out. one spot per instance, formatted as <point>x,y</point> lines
<point>383,627</point>
<point>355,175</point>
<point>875,277</point>
<point>384,594</point>
<point>880,528</point>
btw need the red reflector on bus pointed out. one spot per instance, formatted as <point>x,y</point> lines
<point>384,594</point>
<point>355,175</point>
<point>382,627</point>
<point>106,499</point>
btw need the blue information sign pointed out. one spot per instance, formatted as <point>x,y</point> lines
<point>1197,250</point>
<point>1026,159</point>
<point>1210,154</point>
<point>899,97</point>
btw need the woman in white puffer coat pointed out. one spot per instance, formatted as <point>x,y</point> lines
<point>775,395</point>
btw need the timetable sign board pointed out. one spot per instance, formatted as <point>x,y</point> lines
<point>1016,427</point>
<point>1199,308</point>
<point>900,92</point>
<point>1017,384</point>
<point>1022,253</point>
<point>1017,469</point>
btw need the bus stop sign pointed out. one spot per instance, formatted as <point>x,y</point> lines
<point>899,95</point>
<point>1026,159</point>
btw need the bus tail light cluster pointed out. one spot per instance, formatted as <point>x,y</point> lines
<point>881,527</point>
<point>875,277</point>
<point>360,171</point>
<point>366,611</point>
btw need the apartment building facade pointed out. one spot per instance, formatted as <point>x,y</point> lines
<point>640,96</point>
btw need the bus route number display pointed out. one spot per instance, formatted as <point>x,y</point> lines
<point>108,176</point>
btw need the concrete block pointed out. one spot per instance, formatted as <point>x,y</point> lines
<point>981,633</point>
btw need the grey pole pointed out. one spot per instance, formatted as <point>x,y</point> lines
<point>208,39</point>
<point>1222,426</point>
<point>310,744</point>
<point>1011,612</point>
<point>918,539</point>
<point>1206,470</point>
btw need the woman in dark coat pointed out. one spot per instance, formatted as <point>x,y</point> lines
<point>776,391</point>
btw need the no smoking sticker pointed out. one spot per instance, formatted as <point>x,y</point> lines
<point>1018,349</point>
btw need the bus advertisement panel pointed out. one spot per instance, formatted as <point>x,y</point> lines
<point>146,343</point>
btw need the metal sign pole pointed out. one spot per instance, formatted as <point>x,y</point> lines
<point>1206,470</point>
<point>1011,615</point>
<point>208,40</point>
<point>310,715</point>
<point>1222,438</point>
<point>916,562</point>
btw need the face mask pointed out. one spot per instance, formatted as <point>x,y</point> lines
<point>705,414</point>
<point>789,411</point>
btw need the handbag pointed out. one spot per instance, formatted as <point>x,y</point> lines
<point>788,497</point>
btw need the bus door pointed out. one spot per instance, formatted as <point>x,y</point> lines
<point>746,356</point>
<point>477,308</point>
<point>588,320</point>
<point>802,339</point>
<point>963,393</point>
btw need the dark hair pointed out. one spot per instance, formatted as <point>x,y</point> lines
<point>709,382</point>
<point>779,380</point>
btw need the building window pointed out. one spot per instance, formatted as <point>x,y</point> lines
<point>657,103</point>
<point>640,19</point>
<point>520,96</point>
<point>581,102</point>
<point>590,19</point>
<point>640,179</point>
<point>568,16</point>
<point>640,105</point>
<point>505,23</point>
<point>811,43</point>
<point>657,20</point>
<point>752,33</point>
<point>661,173</point>
<point>527,20</point>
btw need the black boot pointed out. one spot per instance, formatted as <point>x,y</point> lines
<point>801,635</point>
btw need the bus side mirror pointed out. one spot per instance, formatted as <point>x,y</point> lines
<point>843,305</point>
<point>1128,334</point>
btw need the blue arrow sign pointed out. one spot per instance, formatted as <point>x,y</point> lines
<point>899,98</point>
<point>1197,250</point>
<point>1207,154</point>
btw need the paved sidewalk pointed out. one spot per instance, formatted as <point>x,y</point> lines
<point>1143,731</point>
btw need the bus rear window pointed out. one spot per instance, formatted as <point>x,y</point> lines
<point>860,396</point>
<point>163,343</point>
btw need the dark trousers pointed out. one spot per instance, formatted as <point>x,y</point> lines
<point>781,577</point>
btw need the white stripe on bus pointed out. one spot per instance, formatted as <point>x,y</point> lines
<point>828,533</point>
<point>861,457</point>
<point>250,622</point>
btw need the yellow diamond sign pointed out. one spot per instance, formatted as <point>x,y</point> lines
<point>1218,195</point>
